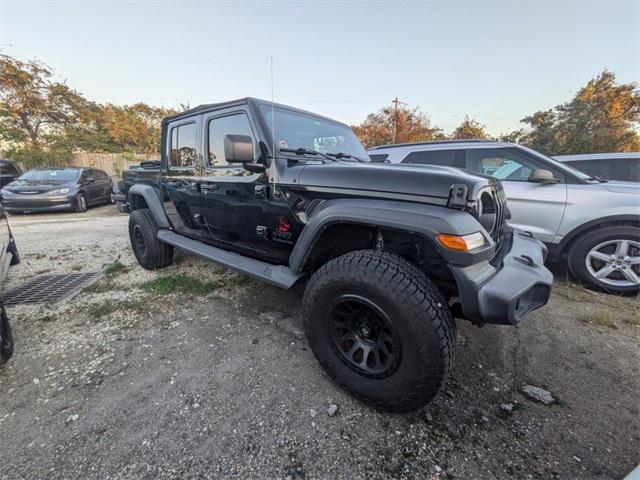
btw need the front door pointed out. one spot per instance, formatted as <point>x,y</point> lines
<point>91,186</point>
<point>534,207</point>
<point>234,202</point>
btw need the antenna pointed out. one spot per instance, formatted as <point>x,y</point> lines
<point>273,115</point>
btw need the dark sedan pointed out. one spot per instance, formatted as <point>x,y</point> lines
<point>46,189</point>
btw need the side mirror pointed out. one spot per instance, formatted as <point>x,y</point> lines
<point>90,179</point>
<point>542,176</point>
<point>238,148</point>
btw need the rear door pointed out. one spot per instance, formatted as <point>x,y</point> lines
<point>534,207</point>
<point>181,176</point>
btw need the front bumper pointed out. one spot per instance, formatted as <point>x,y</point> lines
<point>38,203</point>
<point>507,288</point>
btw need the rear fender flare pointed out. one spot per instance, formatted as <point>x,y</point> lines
<point>424,220</point>
<point>152,199</point>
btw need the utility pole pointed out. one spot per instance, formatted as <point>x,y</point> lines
<point>395,102</point>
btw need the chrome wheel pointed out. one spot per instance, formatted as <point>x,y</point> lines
<point>615,262</point>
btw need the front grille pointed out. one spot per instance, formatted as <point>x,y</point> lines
<point>491,211</point>
<point>501,213</point>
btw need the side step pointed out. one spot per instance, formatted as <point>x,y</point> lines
<point>277,275</point>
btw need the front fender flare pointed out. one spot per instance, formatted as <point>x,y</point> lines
<point>424,220</point>
<point>152,199</point>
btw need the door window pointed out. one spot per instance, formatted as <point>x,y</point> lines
<point>431,157</point>
<point>502,164</point>
<point>236,124</point>
<point>183,146</point>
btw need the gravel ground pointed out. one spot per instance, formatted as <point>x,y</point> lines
<point>123,383</point>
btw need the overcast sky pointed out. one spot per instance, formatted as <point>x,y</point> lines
<point>495,61</point>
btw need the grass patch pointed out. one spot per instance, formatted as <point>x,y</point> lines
<point>598,317</point>
<point>98,310</point>
<point>167,284</point>
<point>114,268</point>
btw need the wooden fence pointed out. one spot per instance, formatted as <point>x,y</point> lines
<point>112,163</point>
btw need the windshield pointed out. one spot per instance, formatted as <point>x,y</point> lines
<point>563,167</point>
<point>299,130</point>
<point>61,174</point>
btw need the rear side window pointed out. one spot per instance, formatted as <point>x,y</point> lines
<point>431,157</point>
<point>183,146</point>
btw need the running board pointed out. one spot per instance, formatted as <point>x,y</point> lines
<point>277,275</point>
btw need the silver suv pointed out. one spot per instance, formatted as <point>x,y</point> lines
<point>593,224</point>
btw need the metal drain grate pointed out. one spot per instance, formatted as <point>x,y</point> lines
<point>49,288</point>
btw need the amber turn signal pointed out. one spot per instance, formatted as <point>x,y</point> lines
<point>461,243</point>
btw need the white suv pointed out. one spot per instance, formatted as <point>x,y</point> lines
<point>593,224</point>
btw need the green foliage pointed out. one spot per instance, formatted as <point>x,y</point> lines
<point>602,117</point>
<point>173,283</point>
<point>113,268</point>
<point>36,156</point>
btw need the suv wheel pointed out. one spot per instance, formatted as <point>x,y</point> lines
<point>6,339</point>
<point>150,252</point>
<point>608,259</point>
<point>81,203</point>
<point>380,329</point>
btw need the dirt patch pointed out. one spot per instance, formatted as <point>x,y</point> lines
<point>122,382</point>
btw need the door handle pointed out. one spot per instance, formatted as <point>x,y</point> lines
<point>208,187</point>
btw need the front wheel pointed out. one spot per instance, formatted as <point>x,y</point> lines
<point>380,329</point>
<point>81,203</point>
<point>608,259</point>
<point>6,339</point>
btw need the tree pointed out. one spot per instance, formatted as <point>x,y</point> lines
<point>134,128</point>
<point>603,117</point>
<point>411,126</point>
<point>470,128</point>
<point>32,104</point>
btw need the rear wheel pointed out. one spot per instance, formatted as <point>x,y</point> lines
<point>81,203</point>
<point>6,339</point>
<point>380,329</point>
<point>608,259</point>
<point>150,252</point>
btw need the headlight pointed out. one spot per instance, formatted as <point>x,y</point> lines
<point>59,191</point>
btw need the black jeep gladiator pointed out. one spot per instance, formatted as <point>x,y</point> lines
<point>389,253</point>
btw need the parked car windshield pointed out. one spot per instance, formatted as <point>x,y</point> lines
<point>299,130</point>
<point>64,174</point>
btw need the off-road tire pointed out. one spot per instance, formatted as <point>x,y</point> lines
<point>578,254</point>
<point>150,252</point>
<point>416,309</point>
<point>6,339</point>
<point>81,204</point>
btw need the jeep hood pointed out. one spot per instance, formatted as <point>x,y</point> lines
<point>411,180</point>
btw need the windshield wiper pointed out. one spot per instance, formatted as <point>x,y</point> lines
<point>345,155</point>
<point>304,151</point>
